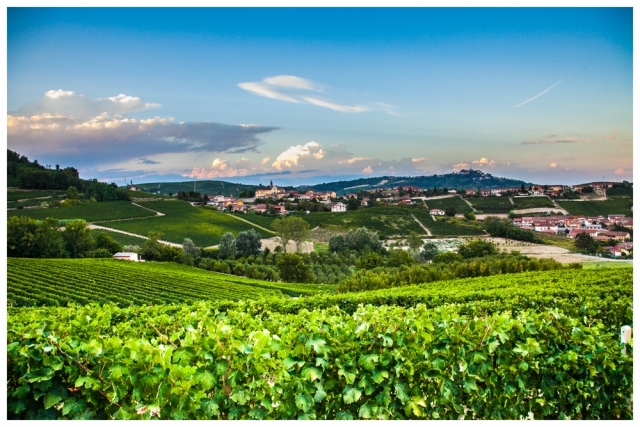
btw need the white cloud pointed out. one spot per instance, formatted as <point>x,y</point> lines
<point>265,160</point>
<point>553,165</point>
<point>620,171</point>
<point>58,93</point>
<point>555,139</point>
<point>295,155</point>
<point>459,166</point>
<point>367,170</point>
<point>88,133</point>
<point>222,169</point>
<point>484,162</point>
<point>294,89</point>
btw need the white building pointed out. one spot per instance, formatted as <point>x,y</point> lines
<point>339,207</point>
<point>436,212</point>
<point>128,256</point>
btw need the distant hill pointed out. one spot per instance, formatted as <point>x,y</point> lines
<point>463,179</point>
<point>210,188</point>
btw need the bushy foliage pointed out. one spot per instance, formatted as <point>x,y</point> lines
<point>477,249</point>
<point>293,269</point>
<point>447,258</point>
<point>499,227</point>
<point>248,243</point>
<point>429,251</point>
<point>227,246</point>
<point>29,238</point>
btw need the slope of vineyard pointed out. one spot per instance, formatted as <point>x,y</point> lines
<point>542,345</point>
<point>34,282</point>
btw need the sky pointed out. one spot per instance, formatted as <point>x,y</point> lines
<point>310,95</point>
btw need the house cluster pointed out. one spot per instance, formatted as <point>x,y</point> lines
<point>537,190</point>
<point>573,225</point>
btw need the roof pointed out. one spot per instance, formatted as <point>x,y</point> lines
<point>125,254</point>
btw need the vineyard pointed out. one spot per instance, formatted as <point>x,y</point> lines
<point>90,212</point>
<point>492,204</point>
<point>532,202</point>
<point>601,207</point>
<point>532,345</point>
<point>455,201</point>
<point>449,226</point>
<point>181,220</point>
<point>52,282</point>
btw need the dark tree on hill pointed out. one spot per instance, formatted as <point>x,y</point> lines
<point>248,243</point>
<point>586,243</point>
<point>429,250</point>
<point>227,246</point>
<point>292,269</point>
<point>451,211</point>
<point>104,241</point>
<point>77,238</point>
<point>477,249</point>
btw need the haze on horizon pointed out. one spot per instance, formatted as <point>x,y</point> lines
<point>306,95</point>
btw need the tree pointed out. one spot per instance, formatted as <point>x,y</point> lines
<point>72,193</point>
<point>586,243</point>
<point>369,261</point>
<point>77,238</point>
<point>522,188</point>
<point>152,249</point>
<point>470,216</point>
<point>291,228</point>
<point>190,248</point>
<point>414,241</point>
<point>477,249</point>
<point>227,246</point>
<point>336,243</point>
<point>104,241</point>
<point>248,243</point>
<point>450,211</point>
<point>399,257</point>
<point>429,251</point>
<point>447,258</point>
<point>29,238</point>
<point>292,269</point>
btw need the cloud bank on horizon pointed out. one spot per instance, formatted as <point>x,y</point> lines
<point>100,131</point>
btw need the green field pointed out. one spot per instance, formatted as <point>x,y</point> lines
<point>532,202</point>
<point>204,226</point>
<point>387,221</point>
<point>619,192</point>
<point>601,207</point>
<point>59,281</point>
<point>261,220</point>
<point>91,212</point>
<point>492,204</point>
<point>456,202</point>
<point>449,226</point>
<point>606,264</point>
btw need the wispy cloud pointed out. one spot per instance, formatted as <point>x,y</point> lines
<point>145,161</point>
<point>538,95</point>
<point>296,90</point>
<point>555,139</point>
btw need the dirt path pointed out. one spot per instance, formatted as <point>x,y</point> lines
<point>469,203</point>
<point>253,224</point>
<point>422,225</point>
<point>511,201</point>
<point>99,227</point>
<point>157,213</point>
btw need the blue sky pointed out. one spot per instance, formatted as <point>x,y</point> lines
<point>308,95</point>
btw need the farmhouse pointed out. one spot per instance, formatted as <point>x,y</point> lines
<point>128,256</point>
<point>436,212</point>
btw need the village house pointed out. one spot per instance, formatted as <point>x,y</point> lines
<point>338,207</point>
<point>436,212</point>
<point>470,192</point>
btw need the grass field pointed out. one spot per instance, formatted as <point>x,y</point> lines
<point>532,202</point>
<point>602,207</point>
<point>556,240</point>
<point>261,220</point>
<point>606,264</point>
<point>619,192</point>
<point>91,212</point>
<point>492,204</point>
<point>59,281</point>
<point>387,221</point>
<point>456,202</point>
<point>449,227</point>
<point>204,226</point>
